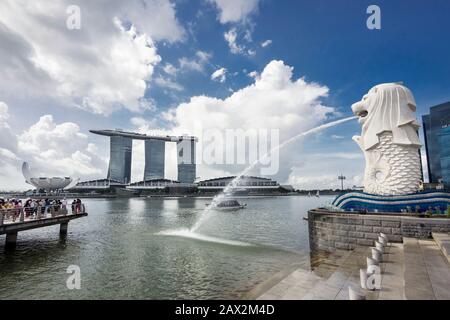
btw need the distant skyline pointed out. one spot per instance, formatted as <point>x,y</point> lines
<point>172,66</point>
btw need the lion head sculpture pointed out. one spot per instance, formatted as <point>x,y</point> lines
<point>387,107</point>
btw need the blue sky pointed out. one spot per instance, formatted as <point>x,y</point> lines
<point>326,42</point>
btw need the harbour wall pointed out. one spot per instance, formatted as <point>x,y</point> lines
<point>329,230</point>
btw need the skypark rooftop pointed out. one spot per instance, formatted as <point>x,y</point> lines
<point>141,136</point>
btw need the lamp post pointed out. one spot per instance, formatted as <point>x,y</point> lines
<point>342,178</point>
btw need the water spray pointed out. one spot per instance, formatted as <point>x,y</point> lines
<point>229,188</point>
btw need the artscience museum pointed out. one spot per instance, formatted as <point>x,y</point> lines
<point>45,183</point>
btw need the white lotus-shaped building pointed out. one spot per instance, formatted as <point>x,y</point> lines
<point>46,183</point>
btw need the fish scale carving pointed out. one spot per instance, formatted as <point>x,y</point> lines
<point>396,171</point>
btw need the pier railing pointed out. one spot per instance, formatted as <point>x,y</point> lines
<point>16,215</point>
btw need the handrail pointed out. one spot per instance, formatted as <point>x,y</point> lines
<point>22,214</point>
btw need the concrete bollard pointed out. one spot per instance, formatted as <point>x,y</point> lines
<point>379,246</point>
<point>363,278</point>
<point>371,262</point>
<point>354,294</point>
<point>383,235</point>
<point>382,241</point>
<point>377,254</point>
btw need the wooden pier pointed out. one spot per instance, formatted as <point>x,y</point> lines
<point>12,221</point>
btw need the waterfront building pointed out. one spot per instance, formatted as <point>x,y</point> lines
<point>154,159</point>
<point>435,128</point>
<point>161,186</point>
<point>45,183</point>
<point>247,185</point>
<point>154,184</point>
<point>186,160</point>
<point>98,185</point>
<point>444,144</point>
<point>121,154</point>
<point>121,149</point>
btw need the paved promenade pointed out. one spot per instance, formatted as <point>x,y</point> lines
<point>414,269</point>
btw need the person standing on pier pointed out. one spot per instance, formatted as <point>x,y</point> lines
<point>78,206</point>
<point>74,203</point>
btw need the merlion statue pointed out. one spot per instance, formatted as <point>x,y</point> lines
<point>389,140</point>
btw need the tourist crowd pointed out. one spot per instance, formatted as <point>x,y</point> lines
<point>34,207</point>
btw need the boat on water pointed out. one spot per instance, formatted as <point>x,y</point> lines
<point>318,194</point>
<point>227,205</point>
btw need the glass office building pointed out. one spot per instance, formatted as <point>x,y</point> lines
<point>155,151</point>
<point>444,143</point>
<point>437,143</point>
<point>120,159</point>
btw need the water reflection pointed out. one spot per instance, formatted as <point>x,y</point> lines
<point>121,254</point>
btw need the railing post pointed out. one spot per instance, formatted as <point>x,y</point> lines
<point>52,211</point>
<point>2,217</point>
<point>38,212</point>
<point>22,215</point>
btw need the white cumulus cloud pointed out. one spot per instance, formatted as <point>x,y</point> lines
<point>220,75</point>
<point>253,74</point>
<point>102,67</point>
<point>231,37</point>
<point>274,101</point>
<point>235,10</point>
<point>52,149</point>
<point>167,83</point>
<point>170,69</point>
<point>266,43</point>
<point>196,63</point>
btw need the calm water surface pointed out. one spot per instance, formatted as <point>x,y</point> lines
<point>122,253</point>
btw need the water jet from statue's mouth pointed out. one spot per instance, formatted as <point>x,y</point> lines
<point>362,114</point>
<point>360,111</point>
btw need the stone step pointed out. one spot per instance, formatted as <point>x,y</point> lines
<point>360,262</point>
<point>314,286</point>
<point>416,269</point>
<point>417,283</point>
<point>300,282</point>
<point>347,274</point>
<point>392,274</point>
<point>293,287</point>
<point>427,270</point>
<point>438,269</point>
<point>443,242</point>
<point>331,287</point>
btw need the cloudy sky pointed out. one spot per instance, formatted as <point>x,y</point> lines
<point>176,66</point>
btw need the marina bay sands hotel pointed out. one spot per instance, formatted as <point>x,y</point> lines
<point>121,147</point>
